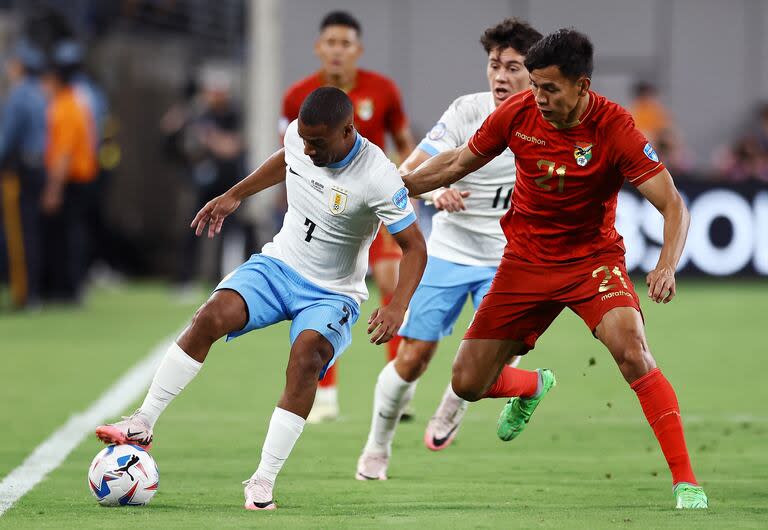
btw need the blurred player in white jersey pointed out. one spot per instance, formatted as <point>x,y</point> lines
<point>341,187</point>
<point>464,249</point>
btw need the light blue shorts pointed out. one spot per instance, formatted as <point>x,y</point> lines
<point>440,297</point>
<point>274,292</point>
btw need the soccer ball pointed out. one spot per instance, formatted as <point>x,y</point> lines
<point>123,475</point>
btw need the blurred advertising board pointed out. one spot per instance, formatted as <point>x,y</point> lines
<point>728,234</point>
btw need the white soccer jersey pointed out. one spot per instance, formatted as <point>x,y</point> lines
<point>334,213</point>
<point>472,236</point>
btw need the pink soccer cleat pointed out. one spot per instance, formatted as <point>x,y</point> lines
<point>133,429</point>
<point>372,466</point>
<point>258,495</point>
<point>444,425</point>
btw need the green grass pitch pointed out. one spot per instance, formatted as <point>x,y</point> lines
<point>588,459</point>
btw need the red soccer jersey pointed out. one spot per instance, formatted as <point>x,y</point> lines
<point>378,107</point>
<point>568,180</point>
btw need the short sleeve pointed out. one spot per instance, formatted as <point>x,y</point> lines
<point>491,138</point>
<point>395,120</point>
<point>388,198</point>
<point>446,134</point>
<point>635,158</point>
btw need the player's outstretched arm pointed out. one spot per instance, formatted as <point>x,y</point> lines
<point>443,169</point>
<point>662,193</point>
<point>446,199</point>
<point>216,210</point>
<point>386,321</point>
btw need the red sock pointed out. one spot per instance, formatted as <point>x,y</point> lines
<point>514,382</point>
<point>330,377</point>
<point>659,403</point>
<point>393,344</point>
<point>392,347</point>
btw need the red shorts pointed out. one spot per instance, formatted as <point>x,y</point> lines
<point>384,247</point>
<point>525,297</point>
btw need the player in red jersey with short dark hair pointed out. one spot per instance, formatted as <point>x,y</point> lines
<point>378,112</point>
<point>573,150</point>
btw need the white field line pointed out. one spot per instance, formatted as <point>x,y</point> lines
<point>51,453</point>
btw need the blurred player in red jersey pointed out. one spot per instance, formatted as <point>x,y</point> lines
<point>378,111</point>
<point>573,150</point>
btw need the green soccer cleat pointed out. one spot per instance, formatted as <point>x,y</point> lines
<point>517,412</point>
<point>690,497</point>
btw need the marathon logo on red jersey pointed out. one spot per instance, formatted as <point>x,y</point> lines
<point>531,139</point>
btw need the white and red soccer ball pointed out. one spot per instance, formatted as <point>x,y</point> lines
<point>123,475</point>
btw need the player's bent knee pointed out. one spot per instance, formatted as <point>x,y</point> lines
<point>310,354</point>
<point>413,357</point>
<point>223,313</point>
<point>466,387</point>
<point>634,358</point>
<point>209,323</point>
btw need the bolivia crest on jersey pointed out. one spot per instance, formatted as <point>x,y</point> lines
<point>582,153</point>
<point>365,109</point>
<point>337,200</point>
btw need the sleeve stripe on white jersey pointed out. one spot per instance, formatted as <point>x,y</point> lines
<point>428,148</point>
<point>402,224</point>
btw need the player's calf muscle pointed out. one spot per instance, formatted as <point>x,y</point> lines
<point>309,354</point>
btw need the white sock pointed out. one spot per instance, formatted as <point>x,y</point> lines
<point>284,429</point>
<point>327,395</point>
<point>451,395</point>
<point>175,371</point>
<point>390,397</point>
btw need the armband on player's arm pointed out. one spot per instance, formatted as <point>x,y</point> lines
<point>443,169</point>
<point>269,173</point>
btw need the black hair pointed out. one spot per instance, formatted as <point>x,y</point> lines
<point>572,52</point>
<point>510,33</point>
<point>326,106</point>
<point>341,18</point>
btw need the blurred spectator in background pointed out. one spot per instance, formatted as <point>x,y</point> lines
<point>209,133</point>
<point>22,175</point>
<point>743,161</point>
<point>70,160</point>
<point>747,158</point>
<point>653,119</point>
<point>71,56</point>
<point>649,113</point>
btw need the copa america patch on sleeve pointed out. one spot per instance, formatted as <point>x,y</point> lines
<point>400,198</point>
<point>437,132</point>
<point>650,152</point>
